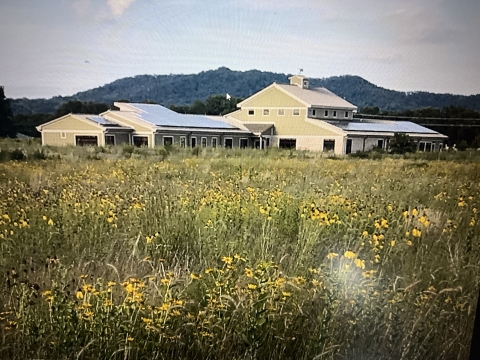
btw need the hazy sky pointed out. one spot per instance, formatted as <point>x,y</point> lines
<point>60,47</point>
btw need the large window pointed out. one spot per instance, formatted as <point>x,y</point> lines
<point>109,139</point>
<point>328,145</point>
<point>193,141</point>
<point>214,142</point>
<point>182,141</point>
<point>421,146</point>
<point>287,144</point>
<point>243,143</point>
<point>204,142</point>
<point>228,143</point>
<point>380,144</point>
<point>167,141</point>
<point>140,141</point>
<point>86,140</point>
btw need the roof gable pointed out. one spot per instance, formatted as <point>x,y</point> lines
<point>320,97</point>
<point>68,120</point>
<point>272,96</point>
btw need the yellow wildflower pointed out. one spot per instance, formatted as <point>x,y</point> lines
<point>252,286</point>
<point>331,255</point>
<point>227,259</point>
<point>392,243</point>
<point>248,273</point>
<point>79,295</point>
<point>365,233</point>
<point>50,222</point>
<point>360,263</point>
<point>195,277</point>
<point>349,254</point>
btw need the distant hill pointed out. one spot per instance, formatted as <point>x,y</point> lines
<point>185,89</point>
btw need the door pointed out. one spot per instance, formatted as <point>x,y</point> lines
<point>348,150</point>
<point>194,142</point>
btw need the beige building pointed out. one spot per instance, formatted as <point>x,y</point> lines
<point>281,115</point>
<point>316,119</point>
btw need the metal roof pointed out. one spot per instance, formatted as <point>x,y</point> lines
<point>320,97</point>
<point>257,128</point>
<point>161,116</point>
<point>390,126</point>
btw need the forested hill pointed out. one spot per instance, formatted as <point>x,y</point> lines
<point>185,89</point>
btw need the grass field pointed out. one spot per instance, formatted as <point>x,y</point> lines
<point>144,254</point>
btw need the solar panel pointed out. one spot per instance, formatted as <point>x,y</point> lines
<point>162,116</point>
<point>100,120</point>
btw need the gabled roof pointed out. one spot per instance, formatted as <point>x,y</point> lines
<point>77,116</point>
<point>258,128</point>
<point>406,127</point>
<point>317,97</point>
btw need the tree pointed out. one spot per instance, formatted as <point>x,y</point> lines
<point>7,129</point>
<point>198,107</point>
<point>401,144</point>
<point>80,107</point>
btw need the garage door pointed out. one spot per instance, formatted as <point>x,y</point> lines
<point>86,140</point>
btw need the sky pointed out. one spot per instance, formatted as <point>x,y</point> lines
<point>60,47</point>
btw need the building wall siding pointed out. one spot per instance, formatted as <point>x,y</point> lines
<point>71,123</point>
<point>313,143</point>
<point>272,97</point>
<point>54,138</point>
<point>287,124</point>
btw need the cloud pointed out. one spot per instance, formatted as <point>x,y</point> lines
<point>81,6</point>
<point>119,6</point>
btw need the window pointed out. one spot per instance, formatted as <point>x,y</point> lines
<point>287,144</point>
<point>334,113</point>
<point>109,139</point>
<point>328,145</point>
<point>266,112</point>
<point>251,112</point>
<point>296,112</point>
<point>281,112</point>
<point>182,141</point>
<point>214,142</point>
<point>421,146</point>
<point>63,135</point>
<point>193,141</point>
<point>140,141</point>
<point>440,147</point>
<point>167,141</point>
<point>305,83</point>
<point>326,113</point>
<point>204,142</point>
<point>380,144</point>
<point>228,143</point>
<point>243,143</point>
<point>314,112</point>
<point>428,147</point>
<point>346,113</point>
<point>86,140</point>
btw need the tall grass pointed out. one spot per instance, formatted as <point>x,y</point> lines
<point>236,254</point>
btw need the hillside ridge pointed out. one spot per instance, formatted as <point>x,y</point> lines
<point>184,89</point>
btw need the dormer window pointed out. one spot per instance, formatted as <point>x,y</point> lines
<point>334,113</point>
<point>251,112</point>
<point>326,113</point>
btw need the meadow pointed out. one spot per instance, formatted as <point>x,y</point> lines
<point>126,253</point>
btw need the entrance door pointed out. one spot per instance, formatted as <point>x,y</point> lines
<point>348,150</point>
<point>194,142</point>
